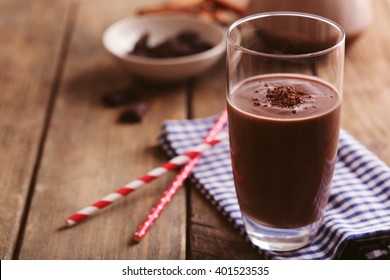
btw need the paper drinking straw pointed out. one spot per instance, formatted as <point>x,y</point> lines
<point>176,184</point>
<point>148,177</point>
<point>164,200</point>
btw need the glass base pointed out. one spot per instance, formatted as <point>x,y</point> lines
<point>276,239</point>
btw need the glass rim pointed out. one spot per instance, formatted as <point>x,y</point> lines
<point>291,14</point>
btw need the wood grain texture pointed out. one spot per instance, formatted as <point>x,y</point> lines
<point>88,155</point>
<point>27,77</point>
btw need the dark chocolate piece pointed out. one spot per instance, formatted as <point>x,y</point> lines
<point>187,42</point>
<point>142,43</point>
<point>134,113</point>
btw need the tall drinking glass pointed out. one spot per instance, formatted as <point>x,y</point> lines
<point>284,93</point>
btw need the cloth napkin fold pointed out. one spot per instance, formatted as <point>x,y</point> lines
<point>358,209</point>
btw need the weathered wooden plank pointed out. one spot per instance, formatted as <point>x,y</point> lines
<point>87,155</point>
<point>32,33</point>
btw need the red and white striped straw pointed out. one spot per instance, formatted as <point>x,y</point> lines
<point>150,176</point>
<point>177,183</point>
<point>165,199</point>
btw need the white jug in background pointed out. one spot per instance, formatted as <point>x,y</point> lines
<point>353,15</point>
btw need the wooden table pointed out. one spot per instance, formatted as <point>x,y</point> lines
<point>60,149</point>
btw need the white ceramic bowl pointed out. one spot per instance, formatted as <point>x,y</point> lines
<point>120,38</point>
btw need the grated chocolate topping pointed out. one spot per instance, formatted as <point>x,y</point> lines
<point>288,97</point>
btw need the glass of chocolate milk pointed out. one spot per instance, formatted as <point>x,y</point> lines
<point>284,93</point>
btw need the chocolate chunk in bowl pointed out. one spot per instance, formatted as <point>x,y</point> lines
<point>186,42</point>
<point>132,35</point>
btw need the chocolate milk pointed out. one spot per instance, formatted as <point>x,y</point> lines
<point>283,136</point>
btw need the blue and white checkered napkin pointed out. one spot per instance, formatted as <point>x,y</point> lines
<point>358,208</point>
